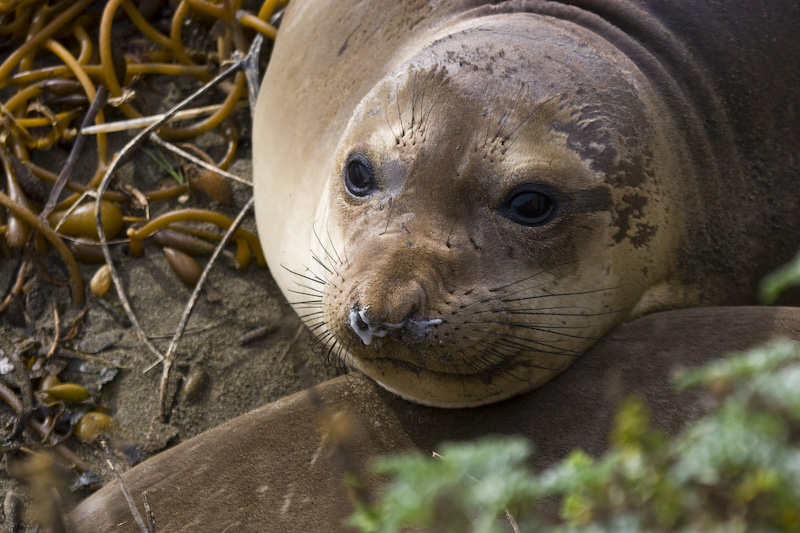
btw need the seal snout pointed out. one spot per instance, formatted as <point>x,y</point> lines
<point>367,327</point>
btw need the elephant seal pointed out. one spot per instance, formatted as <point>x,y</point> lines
<point>462,197</point>
<point>278,469</point>
<point>467,197</point>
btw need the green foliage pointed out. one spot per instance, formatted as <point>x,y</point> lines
<point>168,164</point>
<point>463,489</point>
<point>736,469</point>
<point>780,280</point>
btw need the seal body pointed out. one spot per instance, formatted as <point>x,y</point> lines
<point>460,198</point>
<point>280,467</point>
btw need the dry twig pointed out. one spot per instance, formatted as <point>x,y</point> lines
<point>196,160</point>
<point>173,346</point>
<point>77,148</point>
<point>121,156</point>
<point>125,492</point>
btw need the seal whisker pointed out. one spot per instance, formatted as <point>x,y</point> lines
<point>507,339</point>
<point>475,362</point>
<point>319,347</point>
<point>319,292</point>
<point>389,124</point>
<point>449,234</point>
<point>342,358</point>
<point>428,79</point>
<point>464,365</point>
<point>400,113</point>
<point>496,360</point>
<point>509,139</point>
<point>319,275</point>
<point>557,295</point>
<point>327,254</point>
<point>333,245</point>
<point>316,301</point>
<point>388,217</point>
<point>543,286</point>
<point>503,119</point>
<point>509,373</point>
<point>488,134</point>
<point>549,329</point>
<point>523,310</point>
<point>581,315</point>
<point>523,280</point>
<point>472,362</point>
<point>426,116</point>
<point>413,99</point>
<point>495,298</point>
<point>317,295</point>
<point>313,327</point>
<point>332,360</point>
<point>305,307</point>
<point>545,329</point>
<point>421,99</point>
<point>482,355</point>
<point>304,293</point>
<point>322,337</point>
<point>311,315</point>
<point>315,279</point>
<point>512,359</point>
<point>317,259</point>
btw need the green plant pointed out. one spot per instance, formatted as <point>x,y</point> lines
<point>168,164</point>
<point>780,280</point>
<point>736,469</point>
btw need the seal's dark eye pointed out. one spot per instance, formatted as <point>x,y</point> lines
<point>359,178</point>
<point>529,205</point>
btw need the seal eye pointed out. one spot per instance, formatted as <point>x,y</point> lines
<point>359,178</point>
<point>529,206</point>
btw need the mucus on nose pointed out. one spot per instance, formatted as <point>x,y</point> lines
<point>366,328</point>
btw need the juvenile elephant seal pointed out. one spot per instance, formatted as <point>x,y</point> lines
<point>460,198</point>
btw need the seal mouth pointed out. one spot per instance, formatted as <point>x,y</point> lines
<point>423,360</point>
<point>409,352</point>
<point>401,364</point>
<point>456,385</point>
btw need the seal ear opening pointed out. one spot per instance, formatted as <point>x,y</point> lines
<point>359,176</point>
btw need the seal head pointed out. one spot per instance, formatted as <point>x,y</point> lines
<point>497,204</point>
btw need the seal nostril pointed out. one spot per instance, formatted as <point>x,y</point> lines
<point>360,326</point>
<point>368,328</point>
